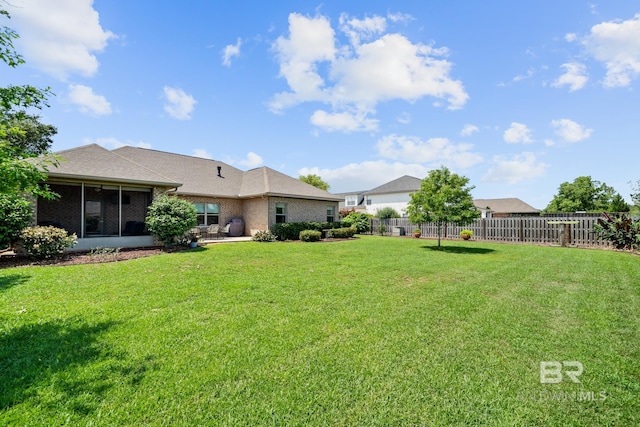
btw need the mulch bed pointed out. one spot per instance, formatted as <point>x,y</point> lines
<point>75,258</point>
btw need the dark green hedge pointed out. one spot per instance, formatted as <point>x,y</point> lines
<point>291,230</point>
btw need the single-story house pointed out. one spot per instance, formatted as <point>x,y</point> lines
<point>500,208</point>
<point>104,194</point>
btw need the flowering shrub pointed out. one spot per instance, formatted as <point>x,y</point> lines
<point>46,242</point>
<point>264,236</point>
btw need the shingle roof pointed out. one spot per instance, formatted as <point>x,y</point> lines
<point>193,175</point>
<point>198,176</point>
<point>94,162</point>
<point>404,184</point>
<point>266,181</point>
<point>506,205</point>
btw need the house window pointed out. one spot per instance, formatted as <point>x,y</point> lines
<point>281,213</point>
<point>331,213</point>
<point>208,213</point>
<point>351,200</point>
<point>368,201</point>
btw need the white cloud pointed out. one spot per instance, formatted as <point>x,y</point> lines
<point>361,74</point>
<point>515,169</point>
<point>230,51</point>
<point>358,29</point>
<point>518,133</point>
<point>468,130</point>
<point>111,142</point>
<point>346,122</point>
<point>88,102</point>
<point>434,151</point>
<point>570,37</point>
<point>365,175</point>
<point>570,131</point>
<point>251,161</point>
<point>59,37</point>
<point>202,153</point>
<point>575,76</point>
<point>617,45</point>
<point>178,104</point>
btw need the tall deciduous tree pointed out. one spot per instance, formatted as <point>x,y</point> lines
<point>443,197</point>
<point>22,137</point>
<point>585,194</point>
<point>315,180</point>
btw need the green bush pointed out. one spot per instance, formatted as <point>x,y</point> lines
<point>263,236</point>
<point>310,235</point>
<point>169,218</point>
<point>16,213</point>
<point>358,220</point>
<point>387,212</point>
<point>46,242</point>
<point>341,233</point>
<point>291,230</point>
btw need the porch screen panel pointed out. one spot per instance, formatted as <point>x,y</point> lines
<point>63,212</point>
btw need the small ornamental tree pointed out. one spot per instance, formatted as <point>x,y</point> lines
<point>443,197</point>
<point>170,217</point>
<point>16,213</point>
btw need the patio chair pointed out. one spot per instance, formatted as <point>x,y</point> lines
<point>214,230</point>
<point>225,230</point>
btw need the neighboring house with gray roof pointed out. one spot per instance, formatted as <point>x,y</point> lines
<point>511,206</point>
<point>397,194</point>
<point>105,194</point>
<point>394,194</point>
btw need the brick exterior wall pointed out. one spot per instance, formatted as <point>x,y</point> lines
<point>229,208</point>
<point>298,210</point>
<point>256,215</point>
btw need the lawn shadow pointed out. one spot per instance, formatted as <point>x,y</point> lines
<point>62,363</point>
<point>459,249</point>
<point>11,280</point>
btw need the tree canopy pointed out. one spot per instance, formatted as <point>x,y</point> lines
<point>315,180</point>
<point>586,194</point>
<point>443,197</point>
<point>22,137</point>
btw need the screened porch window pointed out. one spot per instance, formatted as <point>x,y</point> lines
<point>91,210</point>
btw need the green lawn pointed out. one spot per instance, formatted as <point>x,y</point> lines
<point>374,331</point>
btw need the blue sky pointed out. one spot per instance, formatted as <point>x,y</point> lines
<point>517,96</point>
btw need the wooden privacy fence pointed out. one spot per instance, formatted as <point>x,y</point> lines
<point>528,229</point>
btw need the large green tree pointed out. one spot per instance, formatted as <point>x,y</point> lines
<point>443,197</point>
<point>586,194</point>
<point>23,139</point>
<point>315,180</point>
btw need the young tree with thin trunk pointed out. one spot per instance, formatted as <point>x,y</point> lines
<point>443,197</point>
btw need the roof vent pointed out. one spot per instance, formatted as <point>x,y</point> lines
<point>220,171</point>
